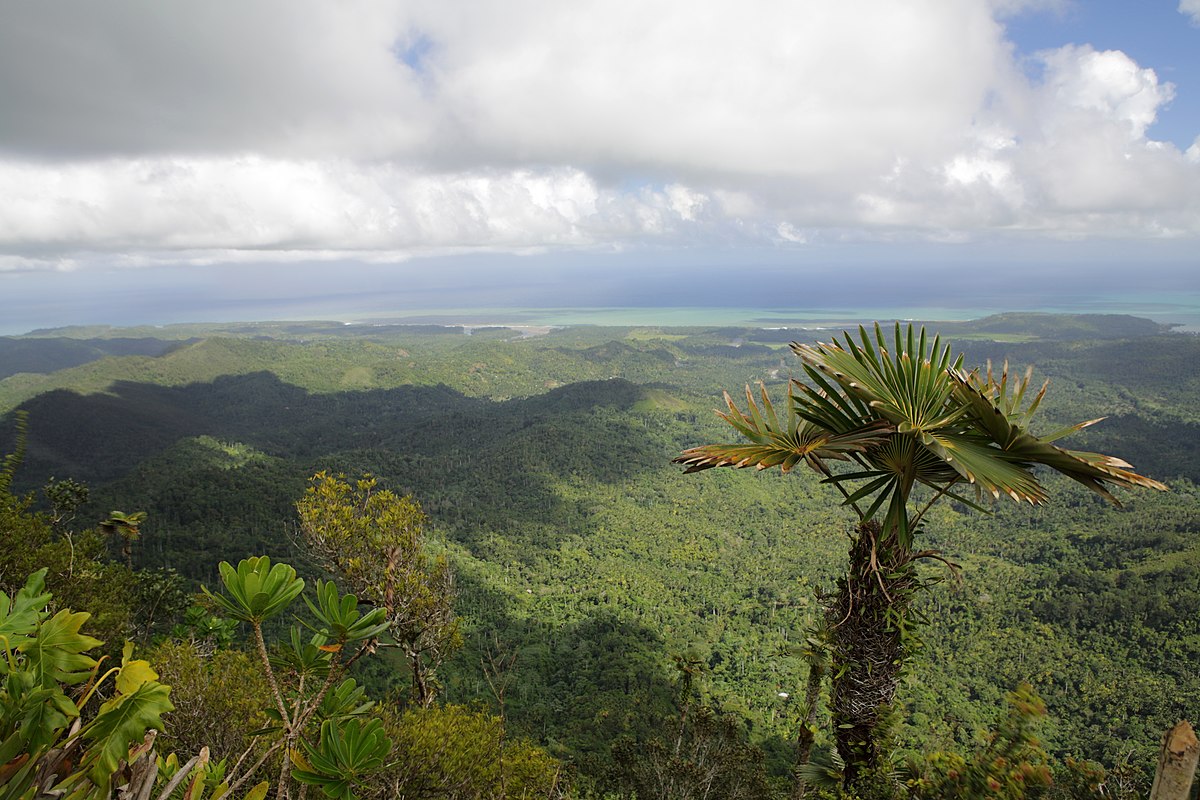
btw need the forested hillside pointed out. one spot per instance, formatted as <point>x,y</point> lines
<point>38,355</point>
<point>598,569</point>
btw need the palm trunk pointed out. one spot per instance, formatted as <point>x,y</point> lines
<point>868,620</point>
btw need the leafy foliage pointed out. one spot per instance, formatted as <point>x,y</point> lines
<point>73,564</point>
<point>339,619</point>
<point>343,757</point>
<point>905,417</point>
<point>45,745</point>
<point>571,540</point>
<point>256,591</point>
<point>1010,766</point>
<point>55,653</point>
<point>219,696</point>
<point>458,753</point>
<point>373,540</point>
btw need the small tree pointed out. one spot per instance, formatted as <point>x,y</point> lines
<point>126,526</point>
<point>901,415</point>
<point>372,540</point>
<point>452,752</point>
<point>65,497</point>
<point>219,694</point>
<point>347,747</point>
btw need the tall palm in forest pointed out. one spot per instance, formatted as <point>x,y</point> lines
<point>126,526</point>
<point>877,420</point>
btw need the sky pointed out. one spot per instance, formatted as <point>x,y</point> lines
<point>244,160</point>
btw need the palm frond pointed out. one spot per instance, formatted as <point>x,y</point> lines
<point>990,403</point>
<point>826,406</point>
<point>907,458</point>
<point>908,386</point>
<point>774,444</point>
<point>906,413</point>
<point>987,467</point>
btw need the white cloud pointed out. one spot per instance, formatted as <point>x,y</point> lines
<point>788,233</point>
<point>1065,156</point>
<point>297,129</point>
<point>815,88</point>
<point>811,90</point>
<point>1190,8</point>
<point>1108,85</point>
<point>125,78</point>
<point>177,209</point>
<point>1086,153</point>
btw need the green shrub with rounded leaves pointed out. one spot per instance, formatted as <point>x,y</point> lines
<point>304,678</point>
<point>344,756</point>
<point>256,590</point>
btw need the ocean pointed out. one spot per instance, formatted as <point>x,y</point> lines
<point>1178,309</point>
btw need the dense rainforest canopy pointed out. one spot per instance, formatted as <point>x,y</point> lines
<point>605,601</point>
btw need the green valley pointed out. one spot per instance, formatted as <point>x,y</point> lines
<point>616,591</point>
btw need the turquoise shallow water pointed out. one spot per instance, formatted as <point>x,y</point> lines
<point>1181,309</point>
<point>485,306</point>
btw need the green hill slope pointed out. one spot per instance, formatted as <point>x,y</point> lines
<point>582,550</point>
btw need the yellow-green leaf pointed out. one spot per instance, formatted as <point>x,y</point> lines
<point>133,675</point>
<point>258,792</point>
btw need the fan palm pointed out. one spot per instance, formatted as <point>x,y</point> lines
<point>876,420</point>
<point>128,527</point>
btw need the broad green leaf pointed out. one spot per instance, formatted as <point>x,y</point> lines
<point>134,672</point>
<point>19,615</point>
<point>56,653</point>
<point>340,616</point>
<point>48,713</point>
<point>123,722</point>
